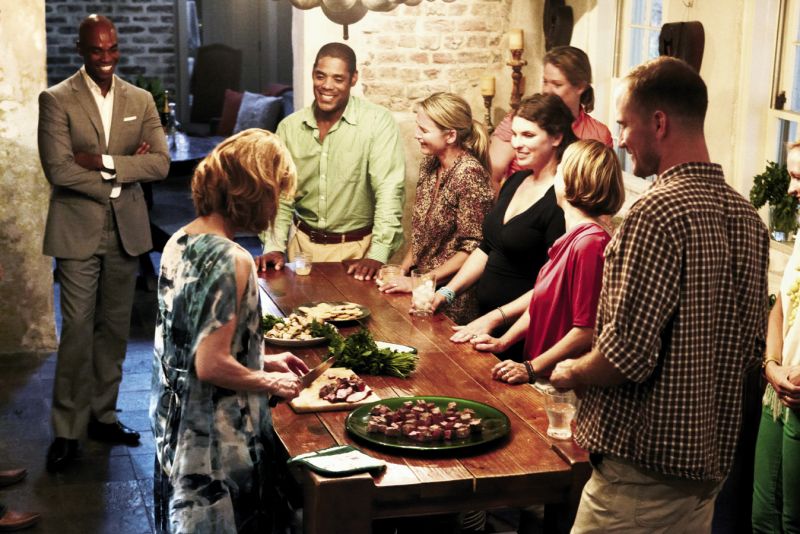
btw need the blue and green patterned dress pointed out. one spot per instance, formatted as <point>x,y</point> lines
<point>210,461</point>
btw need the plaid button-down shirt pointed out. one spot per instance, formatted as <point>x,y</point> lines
<point>682,313</point>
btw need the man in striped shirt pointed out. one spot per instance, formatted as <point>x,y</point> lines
<point>682,314</point>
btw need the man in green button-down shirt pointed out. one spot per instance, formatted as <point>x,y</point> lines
<point>351,175</point>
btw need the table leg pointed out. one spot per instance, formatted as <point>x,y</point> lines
<point>337,506</point>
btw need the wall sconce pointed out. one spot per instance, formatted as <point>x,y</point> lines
<point>516,45</point>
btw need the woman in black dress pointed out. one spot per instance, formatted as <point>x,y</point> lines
<point>524,223</point>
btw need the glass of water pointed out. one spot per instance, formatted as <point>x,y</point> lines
<point>302,263</point>
<point>423,291</point>
<point>560,407</point>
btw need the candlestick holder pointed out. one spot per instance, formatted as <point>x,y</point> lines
<point>516,63</point>
<point>487,117</point>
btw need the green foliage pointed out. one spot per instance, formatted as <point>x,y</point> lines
<point>154,87</point>
<point>360,353</point>
<point>268,321</point>
<point>770,187</point>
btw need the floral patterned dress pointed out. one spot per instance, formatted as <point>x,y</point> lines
<point>210,461</point>
<point>449,219</point>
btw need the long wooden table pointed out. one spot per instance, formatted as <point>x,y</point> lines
<point>527,468</point>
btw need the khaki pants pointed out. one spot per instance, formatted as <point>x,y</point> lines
<point>353,250</point>
<point>621,497</point>
<point>96,304</point>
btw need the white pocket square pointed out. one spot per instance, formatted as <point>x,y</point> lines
<point>128,119</point>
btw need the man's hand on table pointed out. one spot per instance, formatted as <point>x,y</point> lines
<point>364,269</point>
<point>274,258</point>
<point>285,362</point>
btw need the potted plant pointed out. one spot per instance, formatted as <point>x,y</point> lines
<point>770,187</point>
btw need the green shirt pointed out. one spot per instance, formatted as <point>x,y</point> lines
<point>352,179</point>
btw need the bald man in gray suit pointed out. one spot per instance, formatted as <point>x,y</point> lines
<point>99,137</point>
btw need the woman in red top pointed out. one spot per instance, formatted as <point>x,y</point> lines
<point>567,74</point>
<point>563,304</point>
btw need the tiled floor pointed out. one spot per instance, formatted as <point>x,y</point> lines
<point>109,488</point>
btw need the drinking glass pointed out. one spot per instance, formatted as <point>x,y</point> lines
<point>387,273</point>
<point>560,407</point>
<point>423,291</point>
<point>302,263</point>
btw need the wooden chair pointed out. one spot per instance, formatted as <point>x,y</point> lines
<point>217,67</point>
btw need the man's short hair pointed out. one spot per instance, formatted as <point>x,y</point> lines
<point>670,85</point>
<point>339,51</point>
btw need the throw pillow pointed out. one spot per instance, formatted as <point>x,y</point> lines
<point>258,111</point>
<point>230,111</point>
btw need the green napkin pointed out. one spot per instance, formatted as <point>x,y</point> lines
<point>339,461</point>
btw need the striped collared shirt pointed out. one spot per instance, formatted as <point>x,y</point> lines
<point>682,313</point>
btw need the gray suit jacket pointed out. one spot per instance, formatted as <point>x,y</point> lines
<point>70,122</point>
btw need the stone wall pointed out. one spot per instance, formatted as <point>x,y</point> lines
<point>26,280</point>
<point>146,37</point>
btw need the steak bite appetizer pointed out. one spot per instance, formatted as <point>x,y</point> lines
<point>424,422</point>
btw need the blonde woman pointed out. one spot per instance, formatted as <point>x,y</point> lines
<point>560,318</point>
<point>776,493</point>
<point>211,382</point>
<point>453,196</point>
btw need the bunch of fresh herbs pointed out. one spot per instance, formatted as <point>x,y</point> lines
<point>358,351</point>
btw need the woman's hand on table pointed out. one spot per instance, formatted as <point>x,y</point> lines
<point>285,362</point>
<point>785,380</point>
<point>438,301</point>
<point>487,343</point>
<point>274,258</point>
<point>399,284</point>
<point>480,326</point>
<point>510,372</point>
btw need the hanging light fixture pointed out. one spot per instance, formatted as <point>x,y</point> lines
<point>346,12</point>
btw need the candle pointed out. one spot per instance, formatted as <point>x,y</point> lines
<point>515,39</point>
<point>487,85</point>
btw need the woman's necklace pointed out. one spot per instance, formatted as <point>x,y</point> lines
<point>794,301</point>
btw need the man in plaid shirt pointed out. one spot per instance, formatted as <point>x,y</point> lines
<point>682,314</point>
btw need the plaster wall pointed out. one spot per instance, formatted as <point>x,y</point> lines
<point>26,281</point>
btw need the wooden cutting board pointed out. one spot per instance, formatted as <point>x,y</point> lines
<point>309,401</point>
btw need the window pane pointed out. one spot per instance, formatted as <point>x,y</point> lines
<point>653,44</point>
<point>655,13</point>
<point>787,133</point>
<point>795,103</point>
<point>636,55</point>
<point>638,11</point>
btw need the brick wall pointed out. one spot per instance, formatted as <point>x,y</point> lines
<point>435,46</point>
<point>145,30</point>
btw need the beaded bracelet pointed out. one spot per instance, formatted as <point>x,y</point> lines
<point>505,319</point>
<point>531,373</point>
<point>448,294</point>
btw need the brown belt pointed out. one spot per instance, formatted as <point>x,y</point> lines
<point>321,237</point>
